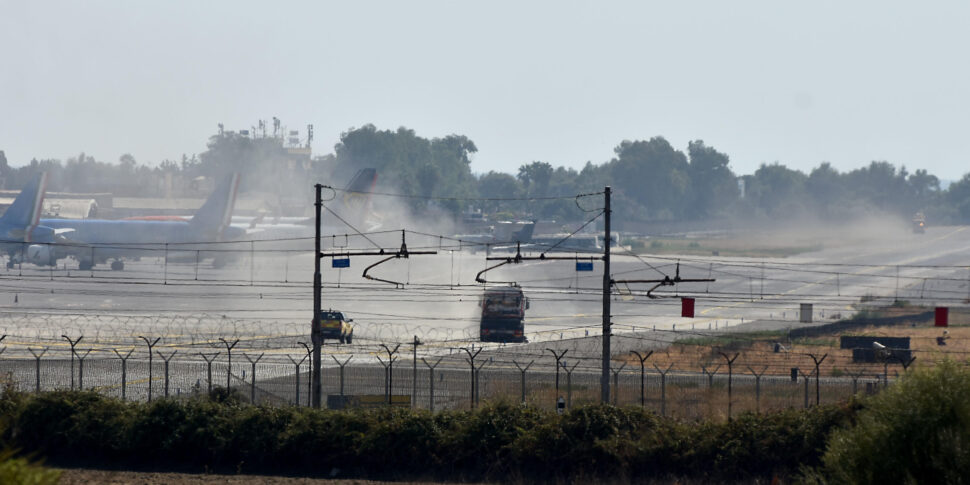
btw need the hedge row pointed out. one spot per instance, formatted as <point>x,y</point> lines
<point>500,441</point>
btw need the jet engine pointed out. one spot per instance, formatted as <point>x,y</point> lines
<point>40,254</point>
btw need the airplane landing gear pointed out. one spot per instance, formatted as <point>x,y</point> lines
<point>117,265</point>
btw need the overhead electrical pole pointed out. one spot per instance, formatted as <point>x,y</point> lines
<point>607,284</point>
<point>315,329</point>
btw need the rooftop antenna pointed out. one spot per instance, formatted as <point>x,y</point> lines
<point>276,127</point>
<point>309,135</point>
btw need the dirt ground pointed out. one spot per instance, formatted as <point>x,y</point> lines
<point>79,476</point>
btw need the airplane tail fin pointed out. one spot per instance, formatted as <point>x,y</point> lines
<point>356,200</point>
<point>216,212</point>
<point>27,207</point>
<point>525,234</point>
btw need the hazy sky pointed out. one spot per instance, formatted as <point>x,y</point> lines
<point>562,82</point>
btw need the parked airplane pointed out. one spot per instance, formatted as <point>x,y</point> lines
<point>92,241</point>
<point>501,238</point>
<point>353,204</point>
<point>20,226</point>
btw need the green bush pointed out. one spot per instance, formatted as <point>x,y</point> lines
<point>22,472</point>
<point>501,441</point>
<point>916,431</point>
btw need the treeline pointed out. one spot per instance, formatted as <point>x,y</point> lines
<point>652,179</point>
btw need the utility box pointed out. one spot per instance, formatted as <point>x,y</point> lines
<point>805,313</point>
<point>687,307</point>
<point>942,316</point>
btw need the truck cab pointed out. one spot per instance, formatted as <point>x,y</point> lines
<point>335,325</point>
<point>503,315</point>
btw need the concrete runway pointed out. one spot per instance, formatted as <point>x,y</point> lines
<point>264,297</point>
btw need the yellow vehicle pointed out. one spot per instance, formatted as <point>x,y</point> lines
<point>334,325</point>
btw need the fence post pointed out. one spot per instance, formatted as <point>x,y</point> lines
<point>167,360</point>
<point>309,374</point>
<point>430,381</point>
<point>806,389</point>
<point>37,358</point>
<point>818,373</point>
<point>757,387</point>
<point>471,362</point>
<point>478,373</point>
<point>616,385</point>
<point>124,371</point>
<point>80,369</point>
<point>387,398</point>
<point>229,348</point>
<point>523,371</point>
<point>855,381</point>
<point>710,375</point>
<point>558,359</point>
<point>208,369</point>
<point>569,384</point>
<point>663,388</point>
<point>643,359</point>
<point>730,364</point>
<point>252,390</point>
<point>73,353</point>
<point>390,372</point>
<point>296,400</point>
<point>341,366</point>
<point>150,344</point>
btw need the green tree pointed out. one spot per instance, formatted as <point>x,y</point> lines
<point>776,190</point>
<point>916,431</point>
<point>498,185</point>
<point>652,174</point>
<point>713,185</point>
<point>535,177</point>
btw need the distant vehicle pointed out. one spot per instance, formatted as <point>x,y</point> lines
<point>503,314</point>
<point>334,325</point>
<point>919,223</point>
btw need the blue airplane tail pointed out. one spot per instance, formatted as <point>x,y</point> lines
<point>27,207</point>
<point>216,212</point>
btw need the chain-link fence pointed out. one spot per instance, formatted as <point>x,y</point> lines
<point>443,384</point>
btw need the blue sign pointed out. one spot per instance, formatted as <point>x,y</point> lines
<point>584,266</point>
<point>341,263</point>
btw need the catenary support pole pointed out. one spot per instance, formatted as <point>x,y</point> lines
<point>316,336</point>
<point>607,287</point>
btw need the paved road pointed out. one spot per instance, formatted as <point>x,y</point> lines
<point>264,297</point>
